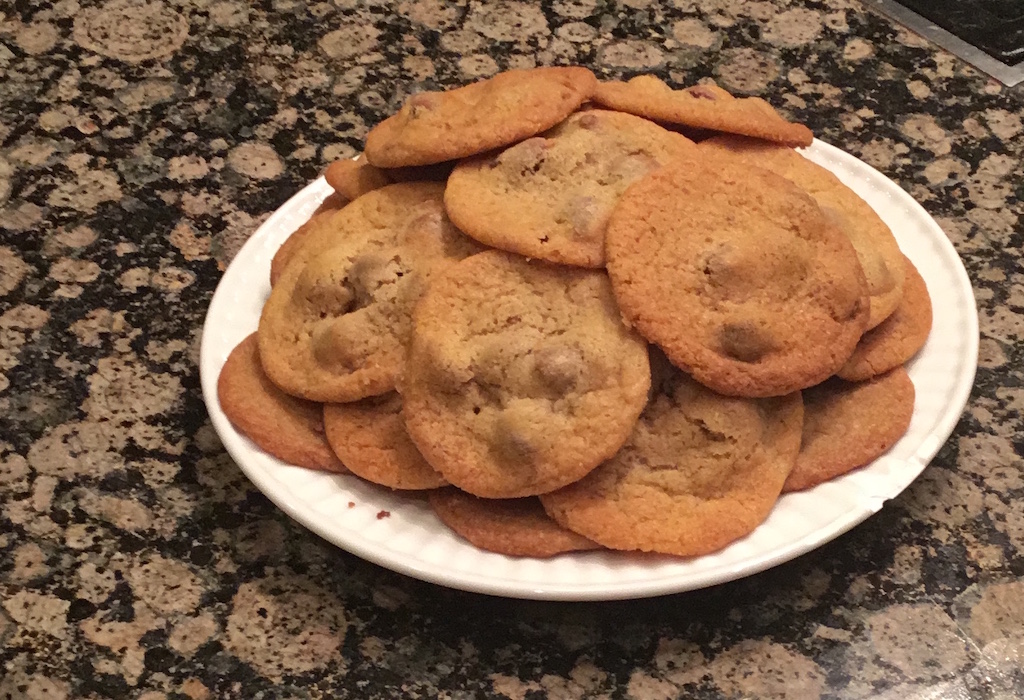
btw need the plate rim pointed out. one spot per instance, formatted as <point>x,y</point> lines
<point>312,194</point>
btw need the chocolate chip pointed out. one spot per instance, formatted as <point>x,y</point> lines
<point>589,120</point>
<point>510,440</point>
<point>583,216</point>
<point>634,166</point>
<point>745,341</point>
<point>448,373</point>
<point>428,232</point>
<point>560,367</point>
<point>368,273</point>
<point>716,264</point>
<point>335,342</point>
<point>854,309</point>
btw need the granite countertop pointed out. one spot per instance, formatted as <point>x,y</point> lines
<point>142,142</point>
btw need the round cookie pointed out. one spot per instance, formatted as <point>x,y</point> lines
<point>848,425</point>
<point>699,471</point>
<point>877,250</point>
<point>286,427</point>
<point>701,106</point>
<point>736,274</point>
<point>370,438</point>
<point>521,376</point>
<point>515,527</point>
<point>432,127</point>
<point>898,338</point>
<point>335,325</point>
<point>549,197</point>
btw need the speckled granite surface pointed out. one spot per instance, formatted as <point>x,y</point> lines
<point>141,142</point>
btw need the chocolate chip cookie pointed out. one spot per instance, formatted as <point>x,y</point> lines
<point>516,527</point>
<point>898,338</point>
<point>550,196</point>
<point>370,437</point>
<point>879,254</point>
<point>848,425</point>
<point>291,245</point>
<point>335,325</point>
<point>432,127</point>
<point>521,376</point>
<point>703,107</point>
<point>737,275</point>
<point>354,177</point>
<point>699,471</point>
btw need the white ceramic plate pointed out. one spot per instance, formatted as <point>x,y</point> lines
<point>411,540</point>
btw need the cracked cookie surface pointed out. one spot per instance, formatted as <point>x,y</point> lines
<point>521,376</point>
<point>335,326</point>
<point>550,196</point>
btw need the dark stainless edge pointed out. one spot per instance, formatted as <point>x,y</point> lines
<point>1008,75</point>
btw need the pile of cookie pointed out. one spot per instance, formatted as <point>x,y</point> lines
<point>583,314</point>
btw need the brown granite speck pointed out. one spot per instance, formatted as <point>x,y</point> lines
<point>131,30</point>
<point>921,641</point>
<point>756,668</point>
<point>285,625</point>
<point>190,633</point>
<point>20,684</point>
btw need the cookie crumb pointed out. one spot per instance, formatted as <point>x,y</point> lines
<point>351,504</point>
<point>383,514</point>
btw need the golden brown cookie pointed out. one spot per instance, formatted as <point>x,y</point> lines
<point>514,527</point>
<point>699,471</point>
<point>335,325</point>
<point>847,425</point>
<point>898,338</point>
<point>433,127</point>
<point>370,438</point>
<point>549,197</point>
<point>286,427</point>
<point>353,177</point>
<point>521,376</point>
<point>737,275</point>
<point>284,254</point>
<point>701,106</point>
<point>877,250</point>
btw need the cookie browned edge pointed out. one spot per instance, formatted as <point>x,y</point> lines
<point>834,444</point>
<point>515,527</point>
<point>898,338</point>
<point>286,427</point>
